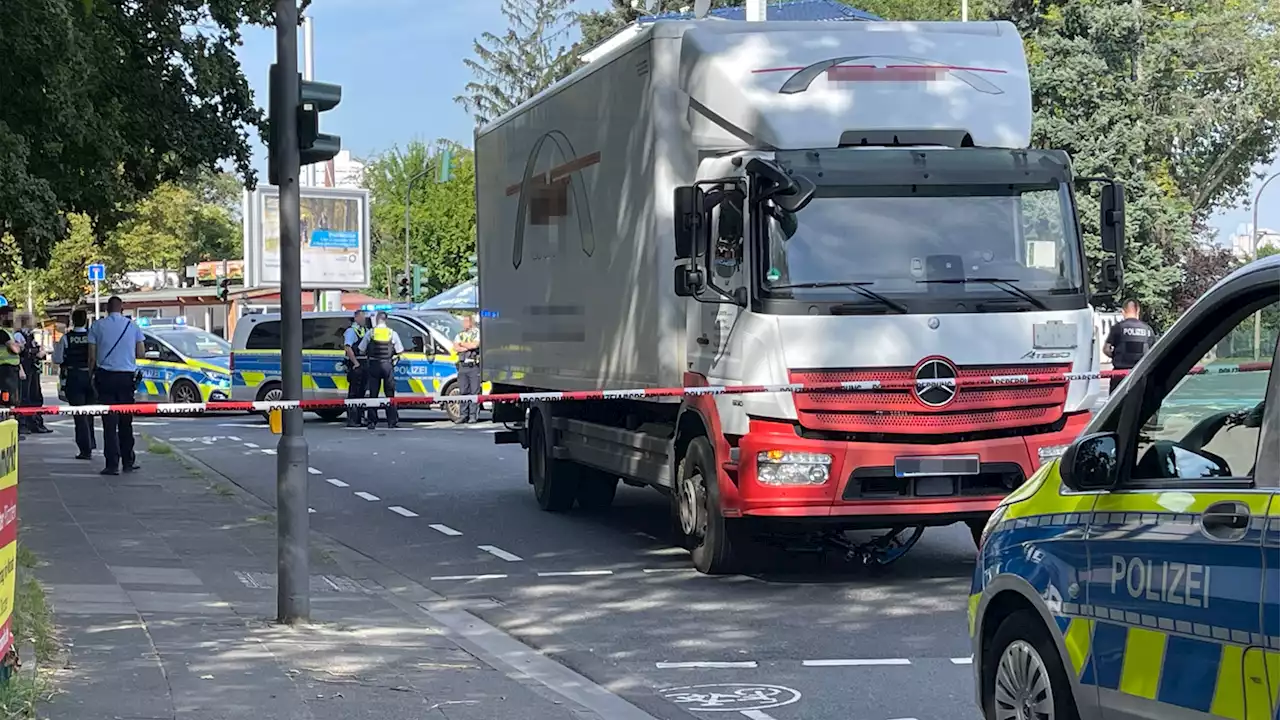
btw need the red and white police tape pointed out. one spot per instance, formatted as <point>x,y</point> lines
<point>427,400</point>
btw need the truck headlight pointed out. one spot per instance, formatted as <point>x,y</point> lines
<point>1050,452</point>
<point>779,467</point>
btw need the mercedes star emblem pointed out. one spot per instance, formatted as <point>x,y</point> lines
<point>935,395</point>
<point>934,323</point>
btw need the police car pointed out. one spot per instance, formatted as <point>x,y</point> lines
<point>1138,575</point>
<point>182,364</point>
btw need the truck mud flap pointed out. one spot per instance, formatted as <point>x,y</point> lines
<point>518,436</point>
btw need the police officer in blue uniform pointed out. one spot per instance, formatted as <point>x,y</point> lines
<point>357,371</point>
<point>382,347</point>
<point>71,355</point>
<point>115,344</point>
<point>1128,341</point>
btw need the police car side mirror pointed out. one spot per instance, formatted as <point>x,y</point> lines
<point>152,355</point>
<point>1091,462</point>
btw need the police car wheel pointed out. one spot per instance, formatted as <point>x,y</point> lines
<point>555,482</point>
<point>185,392</point>
<point>1023,675</point>
<point>453,409</point>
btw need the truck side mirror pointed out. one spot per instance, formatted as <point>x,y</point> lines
<point>688,281</point>
<point>1110,276</point>
<point>1113,218</point>
<point>688,217</point>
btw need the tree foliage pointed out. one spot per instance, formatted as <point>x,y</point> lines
<point>517,64</point>
<point>442,216</point>
<point>1203,266</point>
<point>104,101</point>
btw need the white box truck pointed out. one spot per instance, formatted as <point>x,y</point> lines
<point>721,203</point>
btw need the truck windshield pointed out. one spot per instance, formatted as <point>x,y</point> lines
<point>925,240</point>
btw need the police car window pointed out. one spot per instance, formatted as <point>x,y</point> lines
<point>1210,423</point>
<point>264,336</point>
<point>197,344</point>
<point>324,333</point>
<point>412,338</point>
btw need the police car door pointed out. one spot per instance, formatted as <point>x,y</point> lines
<point>1175,548</point>
<point>1268,474</point>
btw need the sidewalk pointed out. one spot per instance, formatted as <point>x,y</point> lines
<point>162,585</point>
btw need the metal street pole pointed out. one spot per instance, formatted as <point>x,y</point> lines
<point>964,10</point>
<point>97,302</point>
<point>1256,237</point>
<point>293,600</point>
<point>408,195</point>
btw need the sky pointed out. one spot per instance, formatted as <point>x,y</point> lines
<point>400,65</point>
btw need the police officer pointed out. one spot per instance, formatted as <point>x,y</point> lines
<point>71,355</point>
<point>115,344</point>
<point>381,347</point>
<point>356,371</point>
<point>32,355</point>
<point>1128,341</point>
<point>467,344</point>
<point>11,374</point>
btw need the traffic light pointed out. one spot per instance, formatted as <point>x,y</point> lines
<point>313,145</point>
<point>472,270</point>
<point>420,290</point>
<point>404,289</point>
<point>224,290</point>
<point>446,165</point>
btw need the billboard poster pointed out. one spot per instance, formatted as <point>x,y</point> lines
<point>8,530</point>
<point>334,235</point>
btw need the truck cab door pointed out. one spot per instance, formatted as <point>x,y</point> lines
<point>711,323</point>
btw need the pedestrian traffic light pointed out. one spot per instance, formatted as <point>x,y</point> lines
<point>224,290</point>
<point>404,288</point>
<point>472,270</point>
<point>313,145</point>
<point>420,290</point>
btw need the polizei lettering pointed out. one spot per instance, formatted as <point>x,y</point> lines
<point>1174,583</point>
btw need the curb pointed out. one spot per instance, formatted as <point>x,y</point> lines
<point>492,646</point>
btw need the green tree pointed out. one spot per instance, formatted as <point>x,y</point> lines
<point>104,101</point>
<point>442,216</point>
<point>180,224</point>
<point>525,60</point>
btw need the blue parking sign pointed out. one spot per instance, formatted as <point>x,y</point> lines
<point>97,271</point>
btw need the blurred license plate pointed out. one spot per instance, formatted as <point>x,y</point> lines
<point>1054,335</point>
<point>936,465</point>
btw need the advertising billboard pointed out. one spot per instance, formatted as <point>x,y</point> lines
<point>334,236</point>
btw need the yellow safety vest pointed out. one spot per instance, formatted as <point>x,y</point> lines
<point>7,356</point>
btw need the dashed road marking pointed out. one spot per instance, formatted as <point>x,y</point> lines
<point>444,529</point>
<point>468,577</point>
<point>757,715</point>
<point>336,482</point>
<point>311,511</point>
<point>498,552</point>
<point>367,496</point>
<point>962,661</point>
<point>710,665</point>
<point>403,512</point>
<point>856,662</point>
<point>669,570</point>
<point>575,573</point>
<point>314,471</point>
<point>252,446</point>
<point>269,451</point>
<point>233,438</point>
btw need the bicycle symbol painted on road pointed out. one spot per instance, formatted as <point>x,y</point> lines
<point>731,697</point>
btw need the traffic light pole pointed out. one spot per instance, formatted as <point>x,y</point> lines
<point>408,196</point>
<point>293,599</point>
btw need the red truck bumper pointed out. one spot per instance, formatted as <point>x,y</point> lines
<point>862,489</point>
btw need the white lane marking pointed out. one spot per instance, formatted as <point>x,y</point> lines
<point>314,471</point>
<point>468,577</point>
<point>243,425</point>
<point>367,496</point>
<point>500,553</point>
<point>757,715</point>
<point>705,665</point>
<point>233,438</point>
<point>669,570</point>
<point>253,446</point>
<point>856,662</point>
<point>310,510</point>
<point>962,661</point>
<point>444,530</point>
<point>336,482</point>
<point>269,451</point>
<point>403,512</point>
<point>575,573</point>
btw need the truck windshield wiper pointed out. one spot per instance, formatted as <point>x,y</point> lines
<point>1006,285</point>
<point>858,287</point>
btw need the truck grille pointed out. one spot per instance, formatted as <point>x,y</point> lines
<point>898,411</point>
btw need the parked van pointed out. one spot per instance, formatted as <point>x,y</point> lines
<point>428,366</point>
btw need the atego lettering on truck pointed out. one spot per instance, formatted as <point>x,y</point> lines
<point>846,210</point>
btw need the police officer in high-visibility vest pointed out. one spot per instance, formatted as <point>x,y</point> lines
<point>357,371</point>
<point>71,355</point>
<point>381,347</point>
<point>11,376</point>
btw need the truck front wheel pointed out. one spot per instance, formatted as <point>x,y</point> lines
<point>555,482</point>
<point>710,537</point>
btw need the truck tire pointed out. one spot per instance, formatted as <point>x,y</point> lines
<point>1023,655</point>
<point>596,489</point>
<point>712,538</point>
<point>555,482</point>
